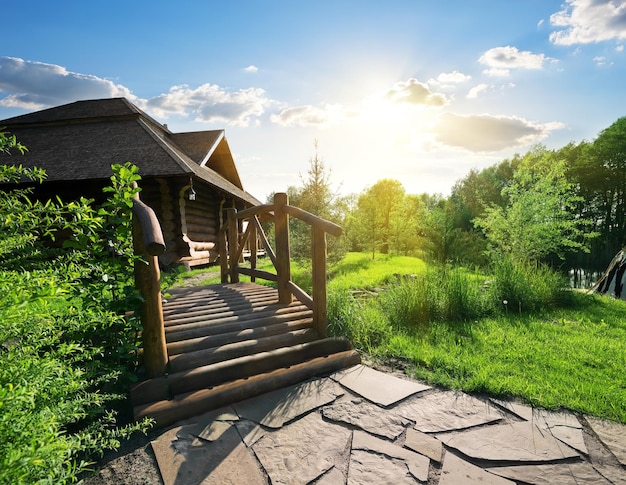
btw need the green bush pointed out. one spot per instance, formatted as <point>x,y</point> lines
<point>67,353</point>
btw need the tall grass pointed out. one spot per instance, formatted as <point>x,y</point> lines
<point>442,295</point>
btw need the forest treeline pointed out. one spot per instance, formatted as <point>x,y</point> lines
<point>564,207</point>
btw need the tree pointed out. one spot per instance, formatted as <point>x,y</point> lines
<point>317,197</point>
<point>377,215</point>
<point>536,219</point>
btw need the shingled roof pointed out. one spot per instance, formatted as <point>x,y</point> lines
<point>81,140</point>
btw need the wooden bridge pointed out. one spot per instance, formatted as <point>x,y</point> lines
<point>209,346</point>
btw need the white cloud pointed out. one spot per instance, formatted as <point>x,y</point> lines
<point>476,90</point>
<point>210,103</point>
<point>601,61</point>
<point>489,133</point>
<point>414,92</point>
<point>450,78</point>
<point>36,85</point>
<point>308,115</point>
<point>251,68</point>
<point>589,21</point>
<point>500,60</point>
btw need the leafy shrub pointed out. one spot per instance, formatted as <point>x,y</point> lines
<point>67,354</point>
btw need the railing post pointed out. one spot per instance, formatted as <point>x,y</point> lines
<point>318,250</point>
<point>233,243</point>
<point>281,224</point>
<point>253,246</point>
<point>223,254</point>
<point>148,282</point>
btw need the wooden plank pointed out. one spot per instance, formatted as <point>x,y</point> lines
<point>258,273</point>
<point>313,220</point>
<point>300,294</point>
<point>229,324</point>
<point>200,343</point>
<point>231,350</point>
<point>319,279</point>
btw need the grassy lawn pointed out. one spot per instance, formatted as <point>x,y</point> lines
<point>570,358</point>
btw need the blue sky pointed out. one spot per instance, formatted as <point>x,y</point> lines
<point>415,90</point>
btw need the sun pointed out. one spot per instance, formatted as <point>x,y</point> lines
<point>402,127</point>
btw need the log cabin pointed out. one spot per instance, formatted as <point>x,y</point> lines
<point>188,179</point>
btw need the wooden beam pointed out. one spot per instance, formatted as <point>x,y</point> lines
<point>319,279</point>
<point>283,256</point>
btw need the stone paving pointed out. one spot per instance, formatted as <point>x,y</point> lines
<point>362,426</point>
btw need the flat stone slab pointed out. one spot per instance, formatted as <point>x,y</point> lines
<point>424,444</point>
<point>207,427</point>
<point>276,408</point>
<point>369,468</point>
<point>541,417</point>
<point>612,434</point>
<point>303,450</point>
<point>572,437</point>
<point>334,476</point>
<point>417,464</point>
<point>367,416</point>
<point>562,425</point>
<point>188,460</point>
<point>447,411</point>
<point>378,387</point>
<point>557,474</point>
<point>516,442</point>
<point>456,471</point>
<point>615,474</point>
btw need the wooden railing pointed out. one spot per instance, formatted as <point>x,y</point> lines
<point>233,243</point>
<point>149,244</point>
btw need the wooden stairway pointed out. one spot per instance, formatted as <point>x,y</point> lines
<point>232,341</point>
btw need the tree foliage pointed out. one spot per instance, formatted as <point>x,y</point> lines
<point>536,219</point>
<point>316,196</point>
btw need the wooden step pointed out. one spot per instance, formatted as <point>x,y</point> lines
<point>233,349</point>
<point>202,317</point>
<point>206,376</point>
<point>202,305</point>
<point>233,324</point>
<point>200,343</point>
<point>166,412</point>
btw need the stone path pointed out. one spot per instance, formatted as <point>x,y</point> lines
<point>362,426</point>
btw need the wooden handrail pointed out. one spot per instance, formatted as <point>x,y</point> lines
<point>152,236</point>
<point>280,211</point>
<point>148,243</point>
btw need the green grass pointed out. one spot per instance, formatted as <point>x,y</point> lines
<point>359,270</point>
<point>550,347</point>
<point>571,358</point>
